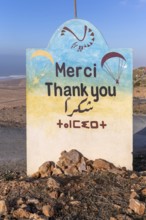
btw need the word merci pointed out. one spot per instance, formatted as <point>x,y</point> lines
<point>75,71</point>
<point>55,90</point>
<point>77,124</point>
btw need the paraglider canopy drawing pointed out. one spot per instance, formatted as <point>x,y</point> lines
<point>119,61</point>
<point>43,54</point>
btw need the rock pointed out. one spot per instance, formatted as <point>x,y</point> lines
<point>70,158</point>
<point>134,195</point>
<point>36,175</point>
<point>136,187</point>
<point>46,169</point>
<point>82,165</point>
<point>133,176</point>
<point>123,217</point>
<point>57,171</point>
<point>89,169</point>
<point>62,195</point>
<point>137,206</point>
<point>89,166</point>
<point>6,218</point>
<point>21,213</point>
<point>100,164</point>
<point>129,211</point>
<point>32,201</point>
<point>89,162</point>
<point>105,194</point>
<point>142,173</point>
<point>118,207</point>
<point>54,194</point>
<point>143,179</point>
<point>53,184</point>
<point>23,206</point>
<point>6,191</point>
<point>48,210</point>
<point>20,201</point>
<point>3,208</point>
<point>66,207</point>
<point>71,171</point>
<point>36,217</point>
<point>75,203</point>
<point>143,192</point>
<point>117,171</point>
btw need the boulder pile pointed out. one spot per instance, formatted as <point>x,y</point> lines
<point>73,163</point>
<point>74,188</point>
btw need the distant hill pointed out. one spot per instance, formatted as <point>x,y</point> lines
<point>13,83</point>
<point>139,76</point>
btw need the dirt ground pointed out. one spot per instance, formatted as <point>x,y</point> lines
<point>139,104</point>
<point>12,93</point>
<point>99,195</point>
<point>139,92</point>
<point>13,102</point>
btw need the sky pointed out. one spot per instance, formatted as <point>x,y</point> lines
<point>31,24</point>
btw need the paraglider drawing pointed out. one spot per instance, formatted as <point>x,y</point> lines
<point>120,64</point>
<point>43,53</point>
<point>87,39</point>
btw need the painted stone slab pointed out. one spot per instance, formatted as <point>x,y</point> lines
<point>79,96</point>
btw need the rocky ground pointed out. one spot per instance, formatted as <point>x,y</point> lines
<point>140,108</point>
<point>13,116</point>
<point>74,188</point>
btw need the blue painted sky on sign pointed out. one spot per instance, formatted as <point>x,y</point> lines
<point>78,44</point>
<point>30,24</point>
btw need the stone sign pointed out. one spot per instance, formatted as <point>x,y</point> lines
<point>79,96</point>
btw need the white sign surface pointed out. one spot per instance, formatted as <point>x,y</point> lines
<point>79,96</point>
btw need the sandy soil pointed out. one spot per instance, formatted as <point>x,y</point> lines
<point>12,149</point>
<point>12,125</point>
<point>13,102</point>
<point>13,116</point>
<point>12,93</point>
<point>139,92</point>
<point>140,108</point>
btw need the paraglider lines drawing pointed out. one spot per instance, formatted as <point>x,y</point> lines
<point>87,39</point>
<point>120,63</point>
